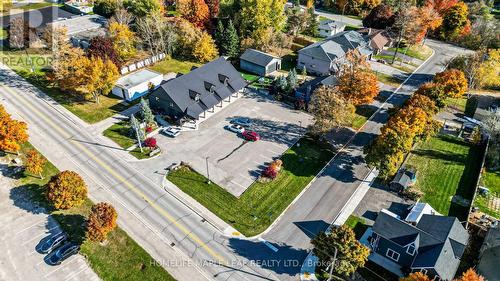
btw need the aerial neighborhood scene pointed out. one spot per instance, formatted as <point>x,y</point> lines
<point>242,140</point>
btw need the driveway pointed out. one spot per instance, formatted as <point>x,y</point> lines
<point>24,226</point>
<point>233,163</point>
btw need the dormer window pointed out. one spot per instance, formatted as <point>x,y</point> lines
<point>194,95</point>
<point>223,79</point>
<point>208,86</point>
<point>411,249</point>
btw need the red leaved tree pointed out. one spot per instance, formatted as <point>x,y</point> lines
<point>102,220</point>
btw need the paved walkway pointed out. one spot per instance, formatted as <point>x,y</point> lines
<point>24,226</point>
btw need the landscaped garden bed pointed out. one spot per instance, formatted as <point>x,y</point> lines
<point>262,202</point>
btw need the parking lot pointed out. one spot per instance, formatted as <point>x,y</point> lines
<point>24,227</point>
<point>234,163</point>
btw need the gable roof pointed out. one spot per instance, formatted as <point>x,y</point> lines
<point>440,240</point>
<point>331,25</point>
<point>337,46</point>
<point>203,87</point>
<point>135,78</point>
<point>378,38</point>
<point>257,57</point>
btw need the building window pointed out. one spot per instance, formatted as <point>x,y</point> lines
<point>171,104</point>
<point>411,249</point>
<point>424,271</point>
<point>392,255</point>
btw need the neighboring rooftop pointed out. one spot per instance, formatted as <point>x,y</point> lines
<point>440,240</point>
<point>38,18</point>
<point>81,24</point>
<point>418,210</point>
<point>331,25</point>
<point>378,38</point>
<point>337,46</point>
<point>136,78</point>
<point>257,57</point>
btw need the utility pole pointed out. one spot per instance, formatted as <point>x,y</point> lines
<point>208,173</point>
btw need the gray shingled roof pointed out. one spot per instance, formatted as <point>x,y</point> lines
<point>337,46</point>
<point>38,18</point>
<point>331,25</point>
<point>440,240</point>
<point>198,82</point>
<point>257,57</point>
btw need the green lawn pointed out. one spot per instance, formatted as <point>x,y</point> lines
<point>357,224</point>
<point>388,79</point>
<point>261,203</point>
<point>3,34</point>
<point>36,6</point>
<point>418,52</point>
<point>173,65</point>
<point>446,166</point>
<point>491,180</point>
<point>121,134</point>
<point>363,112</point>
<point>121,258</point>
<point>457,103</point>
<point>249,77</point>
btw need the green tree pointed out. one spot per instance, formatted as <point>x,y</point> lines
<point>66,190</point>
<point>255,16</point>
<point>146,112</point>
<point>106,8</point>
<point>231,41</point>
<point>219,35</point>
<point>342,244</point>
<point>312,27</point>
<point>291,79</point>
<point>137,130</point>
<point>454,21</point>
<point>142,8</point>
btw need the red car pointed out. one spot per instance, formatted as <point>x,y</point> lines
<point>251,136</point>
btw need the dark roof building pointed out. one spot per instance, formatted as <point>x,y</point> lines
<point>187,97</point>
<point>258,62</point>
<point>403,179</point>
<point>38,18</point>
<point>434,245</point>
<point>489,255</point>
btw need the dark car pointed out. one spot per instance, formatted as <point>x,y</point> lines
<point>251,136</point>
<point>63,252</point>
<point>53,242</point>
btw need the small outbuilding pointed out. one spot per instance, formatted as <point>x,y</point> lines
<point>136,84</point>
<point>259,63</point>
<point>329,28</point>
<point>403,179</point>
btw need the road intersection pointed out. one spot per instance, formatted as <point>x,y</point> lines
<point>186,236</point>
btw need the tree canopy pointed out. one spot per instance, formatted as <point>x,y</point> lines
<point>330,109</point>
<point>66,190</point>
<point>101,221</point>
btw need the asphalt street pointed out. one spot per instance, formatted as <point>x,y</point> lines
<point>219,257</point>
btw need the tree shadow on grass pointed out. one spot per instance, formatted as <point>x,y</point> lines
<point>73,224</point>
<point>439,155</point>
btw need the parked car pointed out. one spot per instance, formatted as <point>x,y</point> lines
<point>236,128</point>
<point>171,132</point>
<point>251,136</point>
<point>245,122</point>
<point>63,252</point>
<point>53,242</point>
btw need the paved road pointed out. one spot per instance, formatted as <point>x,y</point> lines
<point>336,17</point>
<point>323,201</point>
<point>66,141</point>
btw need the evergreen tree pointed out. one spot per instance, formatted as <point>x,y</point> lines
<point>137,130</point>
<point>312,23</point>
<point>231,40</point>
<point>146,112</point>
<point>281,84</point>
<point>292,79</point>
<point>219,37</point>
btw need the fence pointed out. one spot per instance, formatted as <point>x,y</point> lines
<point>143,63</point>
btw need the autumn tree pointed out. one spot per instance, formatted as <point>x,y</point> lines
<point>101,221</point>
<point>122,16</point>
<point>195,11</point>
<point>453,82</point>
<point>356,81</point>
<point>142,8</point>
<point>12,132</point>
<point>205,49</point>
<point>454,21</point>
<point>296,21</point>
<point>66,190</point>
<point>470,65</point>
<point>404,27</point>
<point>428,20</point>
<point>5,5</point>
<point>489,69</point>
<point>256,16</point>
<point>97,76</point>
<point>35,162</point>
<point>441,6</point>
<point>342,244</point>
<point>123,40</point>
<point>20,33</point>
<point>416,276</point>
<point>352,7</point>
<point>213,7</point>
<point>470,275</point>
<point>379,17</point>
<point>102,47</point>
<point>158,34</point>
<point>106,8</point>
<point>330,110</point>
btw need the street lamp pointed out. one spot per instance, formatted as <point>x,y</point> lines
<point>208,173</point>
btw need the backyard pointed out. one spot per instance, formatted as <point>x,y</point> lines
<point>173,65</point>
<point>447,169</point>
<point>129,261</point>
<point>490,204</point>
<point>261,203</point>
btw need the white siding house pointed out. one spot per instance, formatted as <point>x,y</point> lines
<point>137,84</point>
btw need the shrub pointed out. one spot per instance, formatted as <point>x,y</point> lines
<point>102,220</point>
<point>66,189</point>
<point>150,142</point>
<point>270,172</point>
<point>149,129</point>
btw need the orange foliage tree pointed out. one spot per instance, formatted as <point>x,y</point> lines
<point>102,220</point>
<point>470,275</point>
<point>453,81</point>
<point>416,276</point>
<point>34,163</point>
<point>12,132</point>
<point>441,6</point>
<point>356,81</point>
<point>195,11</point>
<point>66,189</point>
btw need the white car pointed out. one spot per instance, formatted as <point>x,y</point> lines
<point>245,122</point>
<point>236,128</point>
<point>171,132</point>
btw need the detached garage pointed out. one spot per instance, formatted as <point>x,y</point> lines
<point>135,85</point>
<point>259,63</point>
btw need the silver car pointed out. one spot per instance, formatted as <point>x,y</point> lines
<point>245,122</point>
<point>236,128</point>
<point>171,132</point>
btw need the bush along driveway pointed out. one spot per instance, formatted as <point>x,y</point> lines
<point>262,202</point>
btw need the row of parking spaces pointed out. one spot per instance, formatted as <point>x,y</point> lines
<point>25,228</point>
